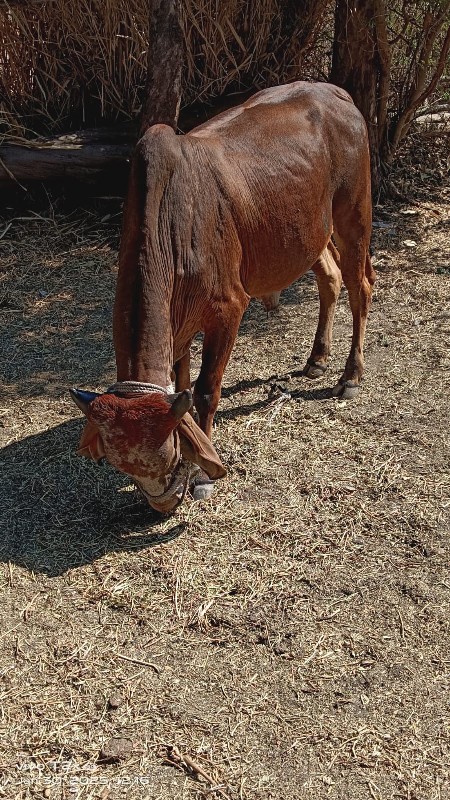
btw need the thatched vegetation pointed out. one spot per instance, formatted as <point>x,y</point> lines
<point>69,65</point>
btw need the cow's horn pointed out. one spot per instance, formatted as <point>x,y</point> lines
<point>181,403</point>
<point>83,399</point>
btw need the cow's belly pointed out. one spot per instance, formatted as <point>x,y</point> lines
<point>273,262</point>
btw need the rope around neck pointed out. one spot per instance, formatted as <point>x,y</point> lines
<point>137,387</point>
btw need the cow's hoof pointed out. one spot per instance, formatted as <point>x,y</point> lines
<point>347,390</point>
<point>313,370</point>
<point>203,489</point>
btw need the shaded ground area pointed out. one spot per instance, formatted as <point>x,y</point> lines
<point>291,635</point>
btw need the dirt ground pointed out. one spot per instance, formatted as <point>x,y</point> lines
<point>290,636</point>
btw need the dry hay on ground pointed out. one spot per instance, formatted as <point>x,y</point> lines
<point>290,635</point>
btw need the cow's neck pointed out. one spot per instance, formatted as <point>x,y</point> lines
<point>144,350</point>
<point>143,338</point>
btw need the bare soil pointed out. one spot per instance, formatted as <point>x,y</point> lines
<point>290,637</point>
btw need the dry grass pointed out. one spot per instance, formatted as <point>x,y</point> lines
<point>291,635</point>
<point>76,64</point>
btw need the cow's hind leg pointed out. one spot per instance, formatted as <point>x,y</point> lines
<point>352,232</point>
<point>329,282</point>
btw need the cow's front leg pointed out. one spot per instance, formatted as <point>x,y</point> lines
<point>220,334</point>
<point>183,372</point>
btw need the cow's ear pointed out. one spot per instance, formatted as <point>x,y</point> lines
<point>83,399</point>
<point>91,444</point>
<point>196,447</point>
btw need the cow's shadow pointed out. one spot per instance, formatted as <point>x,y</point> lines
<point>59,511</point>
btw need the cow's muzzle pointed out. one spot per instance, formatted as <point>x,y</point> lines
<point>174,495</point>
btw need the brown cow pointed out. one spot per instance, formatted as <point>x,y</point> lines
<point>238,208</point>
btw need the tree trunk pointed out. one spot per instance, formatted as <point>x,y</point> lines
<point>355,67</point>
<point>164,64</point>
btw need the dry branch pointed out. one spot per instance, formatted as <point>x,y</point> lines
<point>180,759</point>
<point>139,661</point>
<point>85,154</point>
<point>428,111</point>
<point>385,61</point>
<point>420,90</point>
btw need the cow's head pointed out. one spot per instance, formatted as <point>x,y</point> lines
<point>150,437</point>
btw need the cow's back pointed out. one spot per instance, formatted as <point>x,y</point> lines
<point>279,158</point>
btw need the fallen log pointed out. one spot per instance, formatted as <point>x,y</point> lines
<point>83,155</point>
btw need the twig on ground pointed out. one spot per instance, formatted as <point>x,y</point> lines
<point>139,661</point>
<point>2,234</point>
<point>178,758</point>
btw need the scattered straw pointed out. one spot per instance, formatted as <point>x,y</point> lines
<point>299,619</point>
